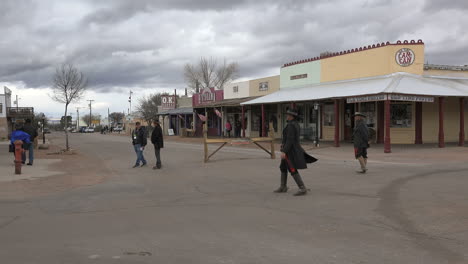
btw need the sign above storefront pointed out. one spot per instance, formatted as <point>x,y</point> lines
<point>207,96</point>
<point>405,57</point>
<point>392,97</point>
<point>411,98</point>
<point>168,102</point>
<point>369,98</point>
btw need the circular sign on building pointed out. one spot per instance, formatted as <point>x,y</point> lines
<point>405,57</point>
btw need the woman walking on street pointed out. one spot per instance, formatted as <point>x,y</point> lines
<point>293,156</point>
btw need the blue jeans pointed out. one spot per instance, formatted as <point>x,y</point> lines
<point>30,149</point>
<point>139,154</point>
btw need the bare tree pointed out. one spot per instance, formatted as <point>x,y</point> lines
<point>148,106</point>
<point>69,84</point>
<point>207,73</point>
<point>94,119</point>
<point>117,117</point>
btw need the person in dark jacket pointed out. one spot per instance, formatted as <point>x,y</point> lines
<point>139,142</point>
<point>361,141</point>
<point>293,156</point>
<point>19,134</point>
<point>32,131</point>
<point>158,142</point>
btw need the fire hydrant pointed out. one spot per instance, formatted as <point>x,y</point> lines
<point>18,155</point>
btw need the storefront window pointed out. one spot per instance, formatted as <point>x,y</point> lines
<point>369,110</point>
<point>329,114</point>
<point>402,115</point>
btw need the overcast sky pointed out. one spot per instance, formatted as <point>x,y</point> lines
<point>123,45</point>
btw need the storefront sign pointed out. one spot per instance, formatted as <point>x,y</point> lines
<point>300,76</point>
<point>404,57</point>
<point>263,86</point>
<point>369,98</point>
<point>168,102</point>
<point>411,98</point>
<point>206,96</point>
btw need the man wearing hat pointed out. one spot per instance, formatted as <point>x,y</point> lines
<point>360,140</point>
<point>293,156</point>
<point>158,142</point>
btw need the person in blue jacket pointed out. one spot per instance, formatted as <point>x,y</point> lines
<point>18,134</point>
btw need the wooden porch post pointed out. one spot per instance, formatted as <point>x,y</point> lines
<point>337,123</point>
<point>461,140</point>
<point>263,121</point>
<point>243,122</point>
<point>441,122</point>
<point>418,130</point>
<point>387,141</point>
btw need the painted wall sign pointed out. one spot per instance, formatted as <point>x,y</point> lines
<point>369,98</point>
<point>168,102</point>
<point>405,57</point>
<point>411,98</point>
<point>206,96</point>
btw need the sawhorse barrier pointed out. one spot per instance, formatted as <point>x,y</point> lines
<point>225,141</point>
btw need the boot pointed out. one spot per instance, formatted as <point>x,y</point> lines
<point>362,162</point>
<point>283,188</point>
<point>302,189</point>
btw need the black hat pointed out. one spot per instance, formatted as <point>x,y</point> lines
<point>292,111</point>
<point>360,114</point>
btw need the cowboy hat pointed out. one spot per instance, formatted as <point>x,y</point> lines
<point>359,114</point>
<point>292,112</point>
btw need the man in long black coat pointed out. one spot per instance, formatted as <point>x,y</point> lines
<point>361,141</point>
<point>158,142</point>
<point>293,156</point>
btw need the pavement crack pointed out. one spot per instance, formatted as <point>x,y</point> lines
<point>8,222</point>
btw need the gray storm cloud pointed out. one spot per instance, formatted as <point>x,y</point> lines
<point>146,43</point>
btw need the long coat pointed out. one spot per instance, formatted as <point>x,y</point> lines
<point>157,137</point>
<point>361,135</point>
<point>291,146</point>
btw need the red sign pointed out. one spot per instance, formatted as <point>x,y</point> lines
<point>168,102</point>
<point>405,57</point>
<point>207,96</point>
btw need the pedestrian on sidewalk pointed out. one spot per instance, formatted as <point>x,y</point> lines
<point>238,128</point>
<point>139,142</point>
<point>293,156</point>
<point>361,140</point>
<point>158,142</point>
<point>228,128</point>
<point>32,131</point>
<point>19,134</point>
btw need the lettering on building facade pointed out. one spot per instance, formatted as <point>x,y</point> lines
<point>168,102</point>
<point>300,76</point>
<point>405,57</point>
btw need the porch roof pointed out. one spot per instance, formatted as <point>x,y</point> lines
<point>227,102</point>
<point>178,111</point>
<point>396,83</point>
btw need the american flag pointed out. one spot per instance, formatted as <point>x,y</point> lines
<point>202,117</point>
<point>218,113</point>
<point>181,117</point>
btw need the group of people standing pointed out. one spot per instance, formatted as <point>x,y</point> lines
<point>139,141</point>
<point>26,133</point>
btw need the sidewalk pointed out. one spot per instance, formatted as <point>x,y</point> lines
<point>40,168</point>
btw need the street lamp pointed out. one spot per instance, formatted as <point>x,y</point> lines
<point>43,134</point>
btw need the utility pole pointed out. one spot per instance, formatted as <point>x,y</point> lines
<point>90,116</point>
<point>130,101</point>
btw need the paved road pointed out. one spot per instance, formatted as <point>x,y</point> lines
<point>225,212</point>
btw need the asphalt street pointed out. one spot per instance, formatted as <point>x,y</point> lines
<point>224,211</point>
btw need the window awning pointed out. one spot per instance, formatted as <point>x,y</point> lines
<point>398,83</point>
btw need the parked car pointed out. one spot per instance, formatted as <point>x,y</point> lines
<point>46,130</point>
<point>89,130</point>
<point>82,129</point>
<point>118,129</point>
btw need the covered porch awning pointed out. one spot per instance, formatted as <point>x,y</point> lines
<point>178,111</point>
<point>396,83</point>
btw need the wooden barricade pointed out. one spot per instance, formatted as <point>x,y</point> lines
<point>225,141</point>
